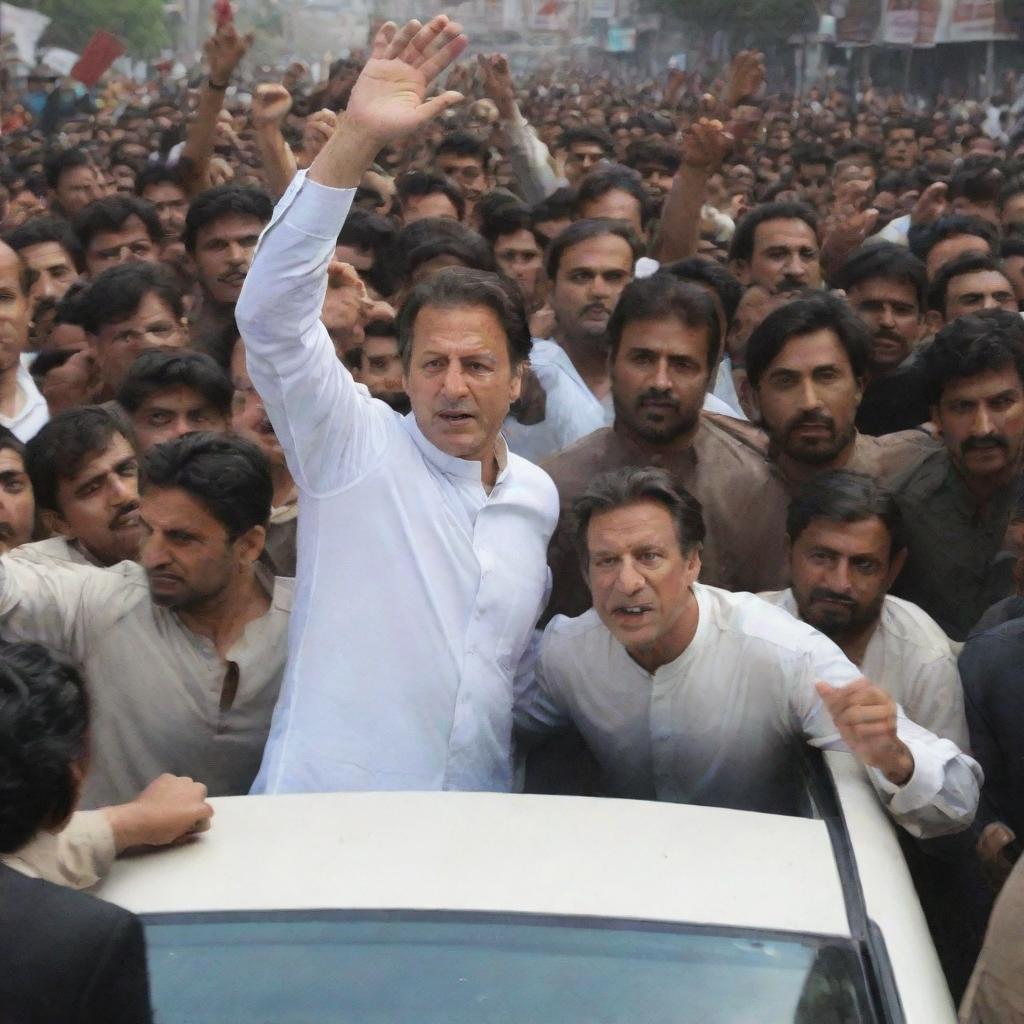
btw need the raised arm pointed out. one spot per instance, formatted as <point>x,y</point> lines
<point>330,428</point>
<point>270,106</point>
<point>223,50</point>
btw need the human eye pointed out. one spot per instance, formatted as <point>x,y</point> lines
<point>159,418</point>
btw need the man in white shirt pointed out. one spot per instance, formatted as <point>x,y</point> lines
<point>845,545</point>
<point>689,693</point>
<point>422,540</point>
<point>22,408</point>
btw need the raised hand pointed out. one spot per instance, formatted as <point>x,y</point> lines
<point>931,204</point>
<point>746,77</point>
<point>706,144</point>
<point>270,105</point>
<point>317,131</point>
<point>497,82</point>
<point>224,51</point>
<point>388,100</point>
<point>865,717</point>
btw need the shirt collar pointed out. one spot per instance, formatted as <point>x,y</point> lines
<point>452,465</point>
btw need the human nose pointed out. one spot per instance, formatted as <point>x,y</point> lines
<point>794,266</point>
<point>44,287</point>
<point>809,398</point>
<point>630,579</point>
<point>662,381</point>
<point>454,382</point>
<point>153,552</point>
<point>121,489</point>
<point>236,254</point>
<point>990,302</point>
<point>887,318</point>
<point>838,577</point>
<point>982,425</point>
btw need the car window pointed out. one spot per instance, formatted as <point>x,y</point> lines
<point>402,968</point>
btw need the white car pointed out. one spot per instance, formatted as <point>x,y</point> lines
<point>466,908</point>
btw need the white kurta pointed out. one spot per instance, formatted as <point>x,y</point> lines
<point>910,658</point>
<point>717,725</point>
<point>417,591</point>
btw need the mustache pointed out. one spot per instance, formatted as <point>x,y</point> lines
<point>823,594</point>
<point>981,443</point>
<point>122,513</point>
<point>654,395</point>
<point>818,419</point>
<point>887,335</point>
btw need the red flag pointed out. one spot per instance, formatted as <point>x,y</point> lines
<point>223,13</point>
<point>549,8</point>
<point>100,52</point>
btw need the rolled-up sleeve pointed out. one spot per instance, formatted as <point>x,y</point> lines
<point>329,427</point>
<point>78,856</point>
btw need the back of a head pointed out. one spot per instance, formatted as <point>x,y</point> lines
<point>721,281</point>
<point>424,240</point>
<point>970,345</point>
<point>225,201</point>
<point>158,370</point>
<point>116,293</point>
<point>44,724</point>
<point>417,184</point>
<point>950,226</point>
<point>226,474</point>
<point>803,317</point>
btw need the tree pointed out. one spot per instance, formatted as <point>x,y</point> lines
<point>139,24</point>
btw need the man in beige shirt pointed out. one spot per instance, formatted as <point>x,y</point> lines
<point>846,546</point>
<point>665,338</point>
<point>85,475</point>
<point>184,652</point>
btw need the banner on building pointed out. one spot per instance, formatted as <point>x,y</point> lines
<point>23,27</point>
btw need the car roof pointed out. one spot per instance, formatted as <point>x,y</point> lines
<point>498,853</point>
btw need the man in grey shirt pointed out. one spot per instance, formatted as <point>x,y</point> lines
<point>690,693</point>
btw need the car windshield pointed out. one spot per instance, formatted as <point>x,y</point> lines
<point>404,968</point>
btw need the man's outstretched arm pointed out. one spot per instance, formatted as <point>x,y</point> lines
<point>330,429</point>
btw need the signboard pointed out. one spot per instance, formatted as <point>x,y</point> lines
<point>24,28</point>
<point>100,52</point>
<point>620,40</point>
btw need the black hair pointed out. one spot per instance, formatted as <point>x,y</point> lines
<point>980,181</point>
<point>967,263</point>
<point>970,345</point>
<point>584,231</point>
<point>57,163</point>
<point>374,234</point>
<point>842,496</point>
<point>1012,245</point>
<point>883,261</point>
<point>156,370</point>
<point>40,230</point>
<point>464,144</point>
<point>901,124</point>
<point>507,220</point>
<point>227,475</point>
<point>742,245</point>
<point>922,242</point>
<point>44,729</point>
<point>64,445</point>
<point>10,440</point>
<point>721,281</point>
<point>1014,187</point>
<point>425,239</point>
<point>116,293</point>
<point>664,296</point>
<point>157,174</point>
<point>591,136</point>
<point>618,488</point>
<point>461,287</point>
<point>611,178</point>
<point>225,201</point>
<point>811,153</point>
<point>415,184</point>
<point>653,151</point>
<point>557,206</point>
<point>111,213</point>
<point>805,316</point>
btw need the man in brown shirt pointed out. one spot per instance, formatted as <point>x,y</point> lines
<point>664,337</point>
<point>806,363</point>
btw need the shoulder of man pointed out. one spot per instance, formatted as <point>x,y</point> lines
<point>574,467</point>
<point>910,624</point>
<point>743,431</point>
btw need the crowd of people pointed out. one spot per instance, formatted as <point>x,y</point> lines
<point>430,429</point>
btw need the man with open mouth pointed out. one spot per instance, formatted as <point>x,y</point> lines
<point>422,539</point>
